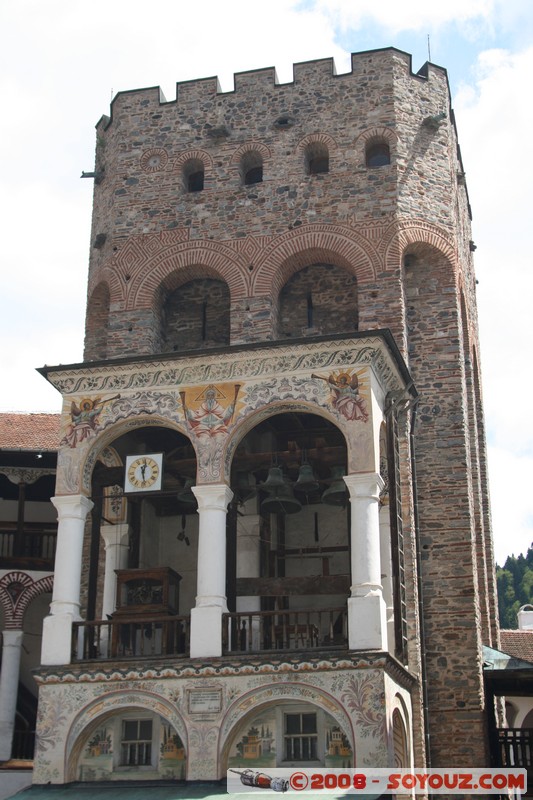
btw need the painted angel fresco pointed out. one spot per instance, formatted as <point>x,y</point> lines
<point>345,395</point>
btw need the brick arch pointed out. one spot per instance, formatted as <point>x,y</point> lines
<point>257,147</point>
<point>317,138</point>
<point>376,134</point>
<point>110,276</point>
<point>415,233</point>
<point>193,155</point>
<point>15,606</point>
<point>97,321</point>
<point>196,260</point>
<point>108,705</point>
<point>314,244</point>
<point>251,703</point>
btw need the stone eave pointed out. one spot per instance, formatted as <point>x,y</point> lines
<point>221,363</point>
<point>310,663</point>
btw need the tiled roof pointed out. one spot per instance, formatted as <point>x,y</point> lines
<point>29,431</point>
<point>518,644</point>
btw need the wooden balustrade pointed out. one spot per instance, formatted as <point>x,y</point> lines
<point>258,631</point>
<point>133,637</point>
<point>34,547</point>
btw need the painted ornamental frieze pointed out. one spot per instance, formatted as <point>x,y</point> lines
<point>214,399</point>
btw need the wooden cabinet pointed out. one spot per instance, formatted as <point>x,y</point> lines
<point>144,623</point>
<point>147,591</point>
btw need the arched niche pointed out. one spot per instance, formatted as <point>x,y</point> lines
<point>318,299</point>
<point>159,527</point>
<point>195,315</point>
<point>97,321</point>
<point>288,524</point>
<point>113,739</point>
<point>256,726</point>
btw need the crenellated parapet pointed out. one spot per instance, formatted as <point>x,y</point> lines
<point>191,94</point>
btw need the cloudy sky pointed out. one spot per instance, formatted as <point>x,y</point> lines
<point>63,60</point>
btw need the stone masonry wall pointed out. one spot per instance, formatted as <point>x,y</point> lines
<point>400,233</point>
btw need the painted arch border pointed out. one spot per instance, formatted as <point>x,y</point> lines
<point>257,699</point>
<point>119,428</point>
<point>255,417</point>
<point>106,706</point>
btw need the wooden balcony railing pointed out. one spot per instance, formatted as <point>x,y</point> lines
<point>35,547</point>
<point>515,748</point>
<point>133,637</point>
<point>260,631</point>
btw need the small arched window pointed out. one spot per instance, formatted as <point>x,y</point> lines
<point>316,158</point>
<point>193,175</point>
<point>377,154</point>
<point>252,168</point>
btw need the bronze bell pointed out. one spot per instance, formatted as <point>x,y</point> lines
<point>336,494</point>
<point>281,499</point>
<point>306,482</point>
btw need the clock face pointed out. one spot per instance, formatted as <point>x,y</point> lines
<point>144,473</point>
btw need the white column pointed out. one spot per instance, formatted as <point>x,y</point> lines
<point>248,565</point>
<point>9,682</point>
<point>72,512</point>
<point>206,617</point>
<point>386,570</point>
<point>367,622</point>
<point>116,544</point>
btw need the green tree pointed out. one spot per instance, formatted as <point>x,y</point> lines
<point>515,587</point>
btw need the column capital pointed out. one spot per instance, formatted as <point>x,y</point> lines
<point>115,535</point>
<point>12,637</point>
<point>213,496</point>
<point>75,506</point>
<point>364,484</point>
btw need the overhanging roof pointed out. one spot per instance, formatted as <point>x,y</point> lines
<point>131,790</point>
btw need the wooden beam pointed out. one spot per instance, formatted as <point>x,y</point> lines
<point>304,585</point>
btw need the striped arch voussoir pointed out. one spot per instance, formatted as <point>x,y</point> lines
<point>313,138</point>
<point>314,244</point>
<point>182,263</point>
<point>193,155</point>
<point>417,234</point>
<point>250,147</point>
<point>17,590</point>
<point>376,134</point>
<point>109,277</point>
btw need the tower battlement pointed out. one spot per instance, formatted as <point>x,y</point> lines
<point>207,92</point>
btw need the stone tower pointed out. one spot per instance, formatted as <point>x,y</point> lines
<point>272,485</point>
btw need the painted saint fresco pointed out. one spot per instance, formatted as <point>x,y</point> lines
<point>209,413</point>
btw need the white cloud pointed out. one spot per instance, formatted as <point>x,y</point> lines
<point>414,15</point>
<point>511,502</point>
<point>494,118</point>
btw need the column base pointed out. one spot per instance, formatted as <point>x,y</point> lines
<point>57,639</point>
<point>367,623</point>
<point>206,631</point>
